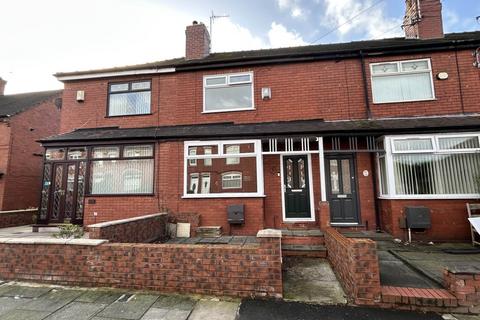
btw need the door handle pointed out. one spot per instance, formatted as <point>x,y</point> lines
<point>296,190</point>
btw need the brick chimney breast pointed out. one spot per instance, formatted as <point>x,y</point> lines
<point>197,44</point>
<point>423,19</point>
<point>3,83</point>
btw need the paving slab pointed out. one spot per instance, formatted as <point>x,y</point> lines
<point>214,310</point>
<point>24,315</point>
<point>155,314</point>
<point>52,301</point>
<point>311,280</point>
<point>99,296</point>
<point>132,308</point>
<point>23,291</point>
<point>9,303</point>
<point>394,272</point>
<point>77,311</point>
<point>174,302</point>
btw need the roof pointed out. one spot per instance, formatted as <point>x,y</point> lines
<point>270,129</point>
<point>326,51</point>
<point>16,103</point>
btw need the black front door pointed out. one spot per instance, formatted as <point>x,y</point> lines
<point>63,191</point>
<point>296,187</point>
<point>342,188</point>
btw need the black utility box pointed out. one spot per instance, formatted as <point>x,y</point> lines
<point>418,217</point>
<point>236,214</point>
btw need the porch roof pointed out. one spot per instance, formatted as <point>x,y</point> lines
<point>317,127</point>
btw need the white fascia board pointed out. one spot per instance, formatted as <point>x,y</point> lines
<point>115,74</point>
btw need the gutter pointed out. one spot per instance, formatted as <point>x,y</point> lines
<point>113,74</point>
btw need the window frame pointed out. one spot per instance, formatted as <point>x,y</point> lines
<point>91,159</point>
<point>389,164</point>
<point>226,85</point>
<point>232,173</point>
<point>222,155</point>
<point>401,72</point>
<point>128,91</point>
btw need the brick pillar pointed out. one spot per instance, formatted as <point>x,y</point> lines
<point>3,83</point>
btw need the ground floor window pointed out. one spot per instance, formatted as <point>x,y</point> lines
<point>429,165</point>
<point>126,171</point>
<point>223,169</point>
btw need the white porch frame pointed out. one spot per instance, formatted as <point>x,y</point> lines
<point>311,195</point>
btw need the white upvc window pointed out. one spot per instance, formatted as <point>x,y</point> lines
<point>216,179</point>
<point>402,81</point>
<point>430,166</point>
<point>228,92</point>
<point>232,180</point>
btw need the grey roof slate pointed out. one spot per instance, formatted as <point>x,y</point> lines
<point>331,50</point>
<point>13,104</point>
<point>266,129</point>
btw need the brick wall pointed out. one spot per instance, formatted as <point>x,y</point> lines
<point>24,174</point>
<point>330,90</point>
<point>465,286</point>
<point>449,219</point>
<point>355,263</point>
<point>240,271</point>
<point>17,217</point>
<point>141,229</point>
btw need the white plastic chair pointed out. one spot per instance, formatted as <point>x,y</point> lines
<point>473,210</point>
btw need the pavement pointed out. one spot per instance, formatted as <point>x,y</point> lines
<point>35,302</point>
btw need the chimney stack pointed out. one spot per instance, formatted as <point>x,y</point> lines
<point>197,41</point>
<point>423,19</point>
<point>3,83</point>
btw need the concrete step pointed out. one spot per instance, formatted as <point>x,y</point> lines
<point>291,250</point>
<point>302,233</point>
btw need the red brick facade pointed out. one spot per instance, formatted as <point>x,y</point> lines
<point>21,154</point>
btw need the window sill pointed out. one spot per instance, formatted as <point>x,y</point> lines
<point>228,110</point>
<point>225,195</point>
<point>130,115</point>
<point>432,197</point>
<point>120,195</point>
<point>404,101</point>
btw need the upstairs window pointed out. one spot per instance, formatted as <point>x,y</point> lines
<point>402,81</point>
<point>129,98</point>
<point>232,92</point>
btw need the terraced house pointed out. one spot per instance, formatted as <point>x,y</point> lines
<point>352,135</point>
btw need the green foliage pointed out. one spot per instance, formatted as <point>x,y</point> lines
<point>69,231</point>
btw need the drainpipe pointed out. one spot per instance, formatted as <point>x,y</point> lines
<point>372,156</point>
<point>365,85</point>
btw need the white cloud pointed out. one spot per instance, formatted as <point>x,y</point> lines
<point>52,37</point>
<point>294,8</point>
<point>279,36</point>
<point>372,23</point>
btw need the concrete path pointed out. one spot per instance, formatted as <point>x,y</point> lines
<point>34,302</point>
<point>311,280</point>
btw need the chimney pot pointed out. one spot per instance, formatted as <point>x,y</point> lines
<point>3,83</point>
<point>197,44</point>
<point>423,19</point>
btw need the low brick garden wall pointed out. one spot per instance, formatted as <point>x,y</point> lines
<point>143,229</point>
<point>249,270</point>
<point>355,263</point>
<point>14,218</point>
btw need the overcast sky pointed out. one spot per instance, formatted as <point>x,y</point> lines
<point>41,37</point>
